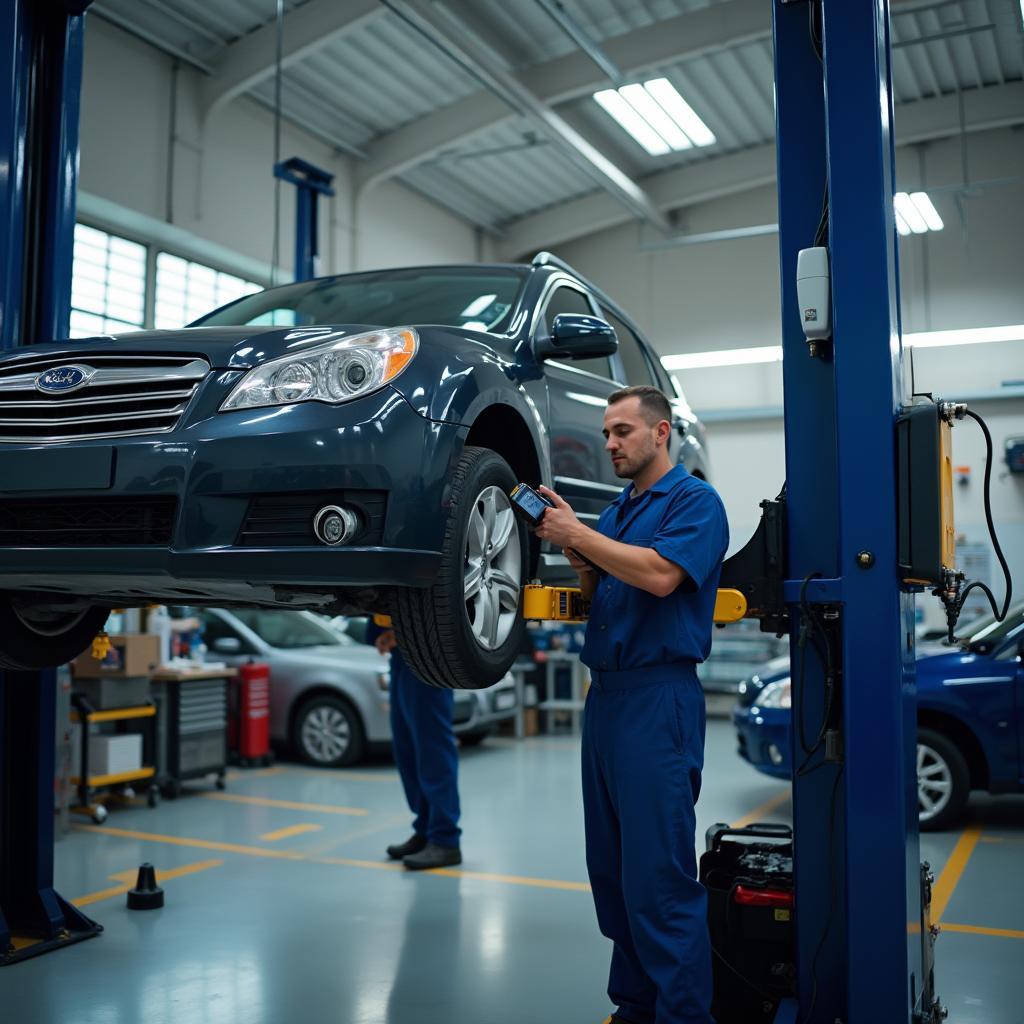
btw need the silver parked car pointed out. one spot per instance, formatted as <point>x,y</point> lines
<point>328,691</point>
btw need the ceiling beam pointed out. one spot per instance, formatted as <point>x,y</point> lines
<point>249,60</point>
<point>682,37</point>
<point>442,28</point>
<point>996,106</point>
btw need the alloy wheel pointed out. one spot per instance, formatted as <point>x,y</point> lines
<point>934,782</point>
<point>326,733</point>
<point>492,569</point>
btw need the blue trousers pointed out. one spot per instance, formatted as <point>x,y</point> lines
<point>424,749</point>
<point>643,751</point>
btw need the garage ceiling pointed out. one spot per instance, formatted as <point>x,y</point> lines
<point>486,106</point>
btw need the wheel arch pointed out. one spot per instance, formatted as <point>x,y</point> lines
<point>965,740</point>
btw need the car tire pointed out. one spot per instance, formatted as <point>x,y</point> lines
<point>943,781</point>
<point>29,643</point>
<point>464,631</point>
<point>327,732</point>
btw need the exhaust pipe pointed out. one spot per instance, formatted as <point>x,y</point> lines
<point>335,525</point>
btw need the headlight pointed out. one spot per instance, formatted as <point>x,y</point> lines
<point>775,695</point>
<point>337,371</point>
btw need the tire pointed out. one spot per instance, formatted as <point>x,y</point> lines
<point>327,732</point>
<point>464,631</point>
<point>35,641</point>
<point>943,781</point>
<point>474,739</point>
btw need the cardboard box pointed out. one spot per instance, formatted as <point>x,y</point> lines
<point>113,755</point>
<point>132,654</point>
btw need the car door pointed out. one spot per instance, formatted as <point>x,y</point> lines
<point>578,391</point>
<point>1010,656</point>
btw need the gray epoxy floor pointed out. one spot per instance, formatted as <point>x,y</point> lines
<point>315,926</point>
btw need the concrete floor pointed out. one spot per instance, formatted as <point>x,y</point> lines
<point>281,908</point>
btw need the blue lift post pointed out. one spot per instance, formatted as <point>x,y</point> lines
<point>861,954</point>
<point>310,183</point>
<point>41,60</point>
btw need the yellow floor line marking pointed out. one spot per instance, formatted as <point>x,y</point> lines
<point>970,929</point>
<point>127,880</point>
<point>290,805</point>
<point>255,773</point>
<point>291,830</point>
<point>342,776</point>
<point>295,855</point>
<point>766,808</point>
<point>942,891</point>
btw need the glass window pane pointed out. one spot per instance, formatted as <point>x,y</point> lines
<point>186,290</point>
<point>108,279</point>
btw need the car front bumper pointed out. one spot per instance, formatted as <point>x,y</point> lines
<point>759,733</point>
<point>209,477</point>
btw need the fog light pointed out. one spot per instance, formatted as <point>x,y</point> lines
<point>335,525</point>
<point>774,754</point>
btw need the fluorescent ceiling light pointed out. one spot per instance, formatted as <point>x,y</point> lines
<point>773,353</point>
<point>656,116</point>
<point>477,306</point>
<point>926,208</point>
<point>901,225</point>
<point>653,113</point>
<point>910,213</point>
<point>680,111</point>
<point>966,336</point>
<point>723,357</point>
<point>638,128</point>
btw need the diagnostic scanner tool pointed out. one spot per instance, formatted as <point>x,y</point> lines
<point>531,506</point>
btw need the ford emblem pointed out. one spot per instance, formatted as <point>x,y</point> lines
<point>63,378</point>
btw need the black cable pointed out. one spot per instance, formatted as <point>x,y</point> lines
<point>977,584</point>
<point>833,899</point>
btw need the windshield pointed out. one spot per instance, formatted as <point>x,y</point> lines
<point>479,298</point>
<point>988,629</point>
<point>287,630</point>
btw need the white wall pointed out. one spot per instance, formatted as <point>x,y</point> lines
<point>726,295</point>
<point>223,186</point>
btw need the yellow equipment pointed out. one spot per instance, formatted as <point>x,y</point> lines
<point>566,604</point>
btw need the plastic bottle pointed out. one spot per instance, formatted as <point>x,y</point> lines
<point>159,623</point>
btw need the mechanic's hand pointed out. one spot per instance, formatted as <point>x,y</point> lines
<point>576,562</point>
<point>386,642</point>
<point>559,525</point>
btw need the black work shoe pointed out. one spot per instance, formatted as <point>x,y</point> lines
<point>433,856</point>
<point>413,844</point>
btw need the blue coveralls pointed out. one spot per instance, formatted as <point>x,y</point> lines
<point>424,748</point>
<point>643,751</point>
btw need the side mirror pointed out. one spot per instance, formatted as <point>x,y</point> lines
<point>227,645</point>
<point>576,336</point>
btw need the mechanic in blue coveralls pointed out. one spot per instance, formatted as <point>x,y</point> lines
<point>659,546</point>
<point>423,742</point>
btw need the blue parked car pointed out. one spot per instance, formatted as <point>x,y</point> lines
<point>344,445</point>
<point>970,718</point>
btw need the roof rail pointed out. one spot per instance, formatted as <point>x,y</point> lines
<point>549,259</point>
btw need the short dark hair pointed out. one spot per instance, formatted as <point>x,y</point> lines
<point>653,404</point>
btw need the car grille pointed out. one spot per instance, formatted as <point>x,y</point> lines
<point>124,396</point>
<point>286,520</point>
<point>96,522</point>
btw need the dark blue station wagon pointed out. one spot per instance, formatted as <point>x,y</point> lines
<point>344,445</point>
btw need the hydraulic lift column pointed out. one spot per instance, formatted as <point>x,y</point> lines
<point>858,889</point>
<point>41,63</point>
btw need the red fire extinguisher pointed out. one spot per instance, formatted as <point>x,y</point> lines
<point>249,729</point>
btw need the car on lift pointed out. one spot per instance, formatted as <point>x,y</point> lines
<point>343,445</point>
<point>329,692</point>
<point>970,718</point>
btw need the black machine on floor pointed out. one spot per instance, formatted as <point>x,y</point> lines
<point>748,873</point>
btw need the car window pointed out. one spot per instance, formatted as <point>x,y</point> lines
<point>215,628</point>
<point>286,629</point>
<point>569,300</point>
<point>638,370</point>
<point>481,298</point>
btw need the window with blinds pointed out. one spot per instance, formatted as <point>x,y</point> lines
<point>108,284</point>
<point>186,290</point>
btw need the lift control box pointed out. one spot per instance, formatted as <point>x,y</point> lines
<point>926,539</point>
